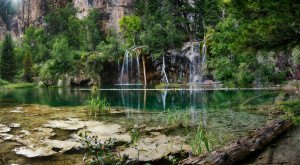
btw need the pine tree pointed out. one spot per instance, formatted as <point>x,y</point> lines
<point>27,65</point>
<point>8,68</point>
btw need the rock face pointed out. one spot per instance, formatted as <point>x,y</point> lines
<point>32,12</point>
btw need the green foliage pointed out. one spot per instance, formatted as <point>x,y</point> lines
<point>18,86</point>
<point>135,135</point>
<point>111,48</point>
<point>62,55</point>
<point>102,153</point>
<point>200,142</point>
<point>131,26</point>
<point>35,41</point>
<point>296,55</point>
<point>3,82</point>
<point>8,66</point>
<point>98,105</point>
<point>27,65</point>
<point>292,110</point>
<point>177,118</point>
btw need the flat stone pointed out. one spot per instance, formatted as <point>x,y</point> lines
<point>6,136</point>
<point>104,132</point>
<point>34,152</point>
<point>155,148</point>
<point>4,129</point>
<point>17,110</point>
<point>63,145</point>
<point>71,124</point>
<point>15,125</point>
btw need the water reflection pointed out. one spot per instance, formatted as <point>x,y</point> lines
<point>143,99</point>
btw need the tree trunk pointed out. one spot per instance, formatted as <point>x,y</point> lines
<point>243,148</point>
<point>144,70</point>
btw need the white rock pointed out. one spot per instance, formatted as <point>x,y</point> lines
<point>63,145</point>
<point>6,136</point>
<point>4,129</point>
<point>34,152</point>
<point>154,148</point>
<point>65,124</point>
<point>15,125</point>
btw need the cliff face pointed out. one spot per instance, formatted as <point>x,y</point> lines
<point>32,12</point>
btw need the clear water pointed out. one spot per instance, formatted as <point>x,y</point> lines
<point>148,100</point>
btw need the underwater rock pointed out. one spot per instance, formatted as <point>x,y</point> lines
<point>15,125</point>
<point>104,132</point>
<point>34,152</point>
<point>4,129</point>
<point>63,146</point>
<point>17,110</point>
<point>6,136</point>
<point>155,148</point>
<point>71,124</point>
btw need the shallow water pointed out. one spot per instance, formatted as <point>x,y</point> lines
<point>226,115</point>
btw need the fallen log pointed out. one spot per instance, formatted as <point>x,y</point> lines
<point>242,148</point>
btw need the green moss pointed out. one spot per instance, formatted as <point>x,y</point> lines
<point>18,85</point>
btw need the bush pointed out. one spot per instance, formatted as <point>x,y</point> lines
<point>3,82</point>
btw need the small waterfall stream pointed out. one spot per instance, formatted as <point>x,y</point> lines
<point>130,72</point>
<point>163,70</point>
<point>197,62</point>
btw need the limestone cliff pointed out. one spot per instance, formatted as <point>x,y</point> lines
<point>32,12</point>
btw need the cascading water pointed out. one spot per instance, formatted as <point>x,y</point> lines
<point>130,72</point>
<point>197,62</point>
<point>163,70</point>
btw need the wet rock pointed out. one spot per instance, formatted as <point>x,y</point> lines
<point>155,148</point>
<point>34,152</point>
<point>15,125</point>
<point>4,129</point>
<point>71,124</point>
<point>63,146</point>
<point>6,136</point>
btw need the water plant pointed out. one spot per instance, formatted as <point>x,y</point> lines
<point>292,110</point>
<point>200,142</point>
<point>98,105</point>
<point>177,118</point>
<point>135,135</point>
<point>101,153</point>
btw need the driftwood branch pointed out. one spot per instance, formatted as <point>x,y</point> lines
<point>242,148</point>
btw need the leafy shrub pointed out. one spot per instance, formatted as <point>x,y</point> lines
<point>98,105</point>
<point>3,82</point>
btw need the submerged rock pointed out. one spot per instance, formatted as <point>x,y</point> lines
<point>6,136</point>
<point>155,148</point>
<point>15,125</point>
<point>34,152</point>
<point>4,129</point>
<point>17,110</point>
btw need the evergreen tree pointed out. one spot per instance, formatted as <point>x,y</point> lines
<point>27,65</point>
<point>8,68</point>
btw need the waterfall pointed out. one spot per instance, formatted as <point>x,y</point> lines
<point>198,61</point>
<point>163,70</point>
<point>130,72</point>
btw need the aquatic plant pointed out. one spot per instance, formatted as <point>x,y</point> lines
<point>98,105</point>
<point>200,142</point>
<point>101,153</point>
<point>177,118</point>
<point>292,110</point>
<point>135,135</point>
